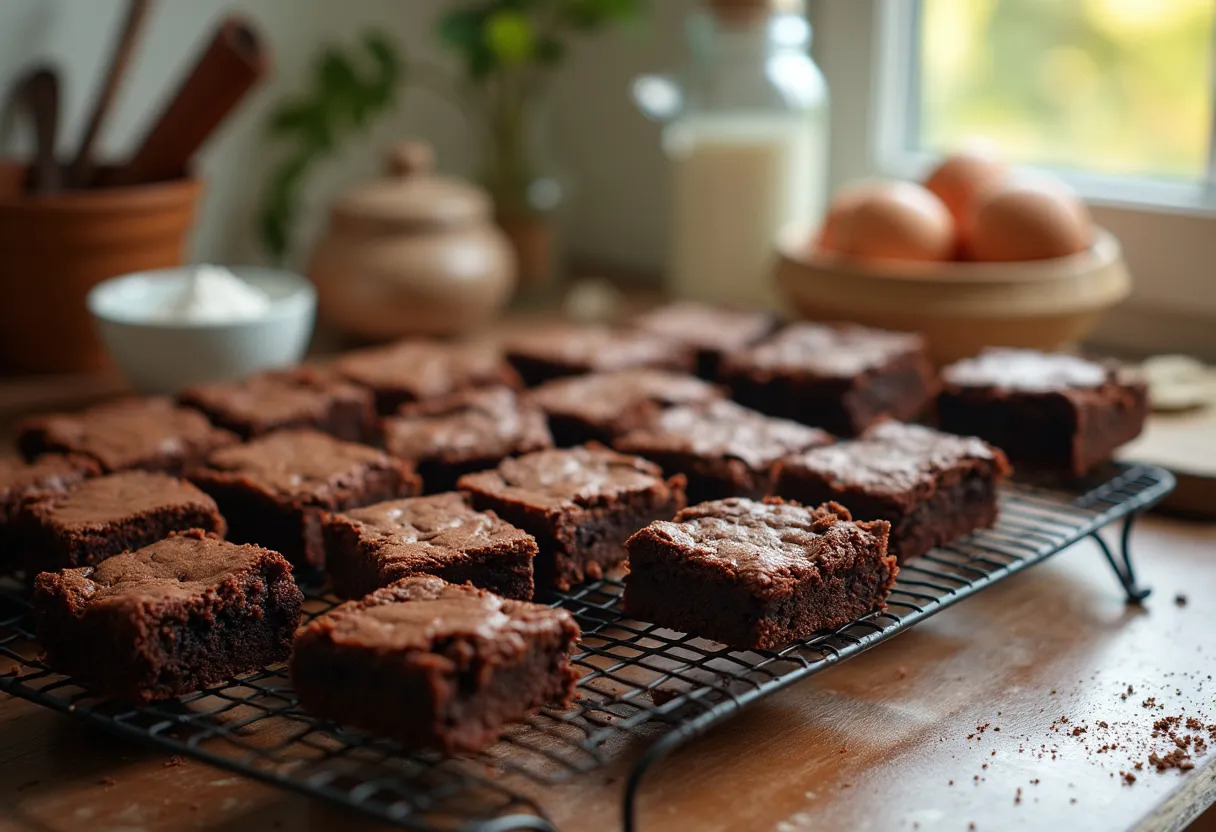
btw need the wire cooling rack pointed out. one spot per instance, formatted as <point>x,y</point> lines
<point>644,690</point>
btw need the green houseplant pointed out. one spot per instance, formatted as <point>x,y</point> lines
<point>507,51</point>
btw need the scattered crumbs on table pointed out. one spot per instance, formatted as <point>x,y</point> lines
<point>1128,777</point>
<point>1017,798</point>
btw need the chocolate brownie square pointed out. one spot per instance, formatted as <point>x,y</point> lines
<point>931,487</point>
<point>275,490</point>
<point>107,515</point>
<point>152,434</point>
<point>580,504</point>
<point>558,351</point>
<point>171,618</point>
<point>711,331</point>
<point>24,481</point>
<point>1047,411</point>
<point>723,449</point>
<point>433,665</point>
<point>465,432</point>
<point>758,575</point>
<point>418,370</point>
<point>367,548</point>
<point>302,397</point>
<point>602,406</point>
<point>840,378</point>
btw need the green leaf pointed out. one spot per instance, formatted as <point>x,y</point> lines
<point>461,30</point>
<point>589,15</point>
<point>511,37</point>
<point>549,51</point>
<point>335,75</point>
<point>291,117</point>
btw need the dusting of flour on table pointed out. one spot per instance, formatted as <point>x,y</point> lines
<point>213,294</point>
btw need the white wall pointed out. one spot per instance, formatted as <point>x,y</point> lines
<point>609,152</point>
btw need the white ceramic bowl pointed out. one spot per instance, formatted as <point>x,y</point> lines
<point>160,356</point>
<point>961,307</point>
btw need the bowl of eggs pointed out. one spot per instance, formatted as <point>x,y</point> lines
<point>978,255</point>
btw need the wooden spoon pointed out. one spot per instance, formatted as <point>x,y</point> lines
<point>80,172</point>
<point>38,92</point>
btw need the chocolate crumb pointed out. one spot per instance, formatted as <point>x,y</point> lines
<point>1128,777</point>
<point>1017,798</point>
<point>174,761</point>
<point>1180,600</point>
<point>661,696</point>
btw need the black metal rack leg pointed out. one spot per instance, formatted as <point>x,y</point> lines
<point>1122,565</point>
<point>656,752</point>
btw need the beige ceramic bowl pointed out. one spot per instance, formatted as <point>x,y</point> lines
<point>961,307</point>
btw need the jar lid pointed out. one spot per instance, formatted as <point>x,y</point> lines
<point>412,196</point>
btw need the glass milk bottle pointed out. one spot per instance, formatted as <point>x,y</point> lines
<point>746,130</point>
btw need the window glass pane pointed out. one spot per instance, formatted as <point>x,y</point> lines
<point>1115,86</point>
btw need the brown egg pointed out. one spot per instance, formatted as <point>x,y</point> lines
<point>897,221</point>
<point>844,203</point>
<point>963,179</point>
<point>1030,218</point>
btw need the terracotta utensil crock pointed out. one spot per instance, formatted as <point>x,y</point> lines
<point>412,254</point>
<point>55,247</point>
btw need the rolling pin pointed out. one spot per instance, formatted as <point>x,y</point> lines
<point>232,63</point>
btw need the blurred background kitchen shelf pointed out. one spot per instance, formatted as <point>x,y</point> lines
<point>1119,100</point>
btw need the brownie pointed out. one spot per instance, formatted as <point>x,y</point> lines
<point>712,332</point>
<point>758,575</point>
<point>580,504</point>
<point>181,614</point>
<point>24,481</point>
<point>565,350</point>
<point>465,432</point>
<point>930,486</point>
<point>1048,411</point>
<point>367,548</point>
<point>840,378</point>
<point>107,515</point>
<point>723,449</point>
<point>275,490</point>
<point>602,406</point>
<point>152,434</point>
<point>417,370</point>
<point>434,665</point>
<point>303,397</point>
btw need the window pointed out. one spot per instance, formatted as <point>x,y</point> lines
<point>1117,87</point>
<point>1115,96</point>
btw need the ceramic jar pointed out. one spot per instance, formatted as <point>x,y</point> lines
<point>413,253</point>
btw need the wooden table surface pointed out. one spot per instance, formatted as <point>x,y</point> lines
<point>958,722</point>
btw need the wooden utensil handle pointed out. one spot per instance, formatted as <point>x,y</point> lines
<point>232,63</point>
<point>81,170</point>
<point>39,92</point>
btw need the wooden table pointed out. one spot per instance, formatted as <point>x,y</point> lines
<point>957,722</point>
